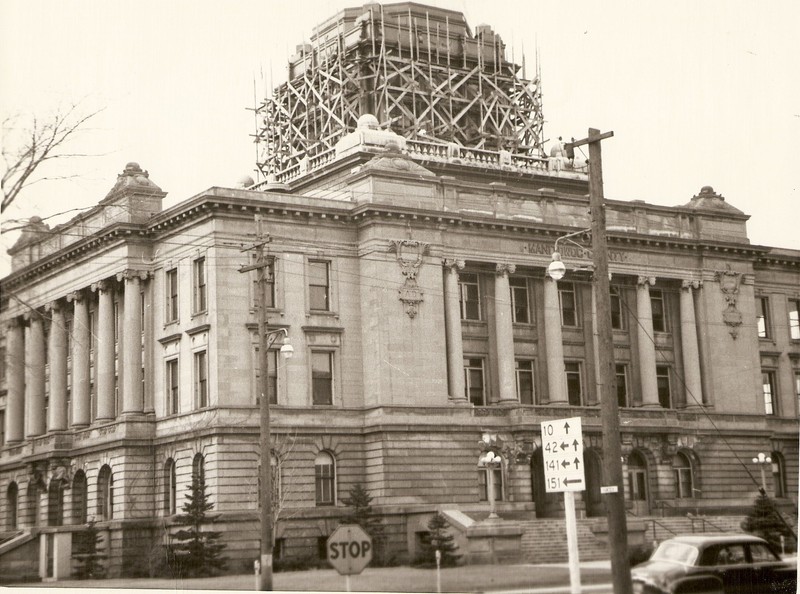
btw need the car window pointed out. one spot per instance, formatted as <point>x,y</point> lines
<point>731,555</point>
<point>761,553</point>
<point>676,552</point>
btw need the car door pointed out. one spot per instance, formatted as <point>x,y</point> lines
<point>732,567</point>
<point>770,573</point>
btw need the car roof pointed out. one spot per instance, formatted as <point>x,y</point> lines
<point>707,539</point>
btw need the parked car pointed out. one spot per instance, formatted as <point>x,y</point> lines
<point>721,564</point>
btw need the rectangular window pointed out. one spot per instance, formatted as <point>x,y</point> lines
<point>199,276</point>
<point>622,385</point>
<point>171,282</point>
<point>269,271</point>
<point>768,388</point>
<point>659,313</point>
<point>483,479</point>
<point>319,290</point>
<point>520,310</point>
<point>201,379</point>
<point>617,317</point>
<point>469,297</point>
<point>473,381</point>
<point>322,378</point>
<point>569,305</point>
<point>762,317</point>
<point>173,383</point>
<point>573,371</point>
<point>662,383</point>
<point>525,393</point>
<point>794,319</point>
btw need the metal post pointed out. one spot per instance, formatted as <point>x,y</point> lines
<point>612,450</point>
<point>572,542</point>
<point>490,490</point>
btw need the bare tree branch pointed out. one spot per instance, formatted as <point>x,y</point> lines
<point>31,145</point>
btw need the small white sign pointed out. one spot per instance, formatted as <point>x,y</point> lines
<point>562,455</point>
<point>611,489</point>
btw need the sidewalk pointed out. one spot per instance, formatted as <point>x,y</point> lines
<point>468,578</point>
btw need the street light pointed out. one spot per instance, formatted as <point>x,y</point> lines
<point>762,460</point>
<point>491,462</point>
<point>268,338</point>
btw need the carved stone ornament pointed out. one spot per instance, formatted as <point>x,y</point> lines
<point>410,293</point>
<point>729,285</point>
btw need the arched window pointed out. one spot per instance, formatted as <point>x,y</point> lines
<point>34,498</point>
<point>637,477</point>
<point>79,500</point>
<point>325,479</point>
<point>778,474</point>
<point>170,488</point>
<point>198,470</point>
<point>55,503</point>
<point>497,482</point>
<point>12,505</point>
<point>682,469</point>
<point>105,493</point>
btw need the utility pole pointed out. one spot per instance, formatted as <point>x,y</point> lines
<point>262,265</point>
<point>606,377</point>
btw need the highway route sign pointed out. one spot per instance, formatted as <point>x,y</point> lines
<point>562,454</point>
<point>349,549</point>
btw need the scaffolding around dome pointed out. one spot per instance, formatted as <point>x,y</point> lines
<point>419,69</point>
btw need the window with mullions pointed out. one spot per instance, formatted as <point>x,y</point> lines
<point>794,319</point>
<point>319,289</point>
<point>682,471</point>
<point>525,389</point>
<point>105,493</point>
<point>617,315</point>
<point>663,386</point>
<point>469,296</point>
<point>659,312</point>
<point>172,387</point>
<point>171,282</point>
<point>322,377</point>
<point>12,506</point>
<point>474,387</point>
<point>80,499</point>
<point>574,389</point>
<point>762,317</point>
<point>199,280</point>
<point>483,483</point>
<point>622,385</point>
<point>520,310</point>
<point>768,390</point>
<point>201,379</point>
<point>569,304</point>
<point>325,479</point>
<point>778,474</point>
<point>170,488</point>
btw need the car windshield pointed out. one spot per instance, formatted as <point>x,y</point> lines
<point>676,552</point>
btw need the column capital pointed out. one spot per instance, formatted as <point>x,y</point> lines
<point>75,296</point>
<point>53,306</point>
<point>691,284</point>
<point>15,322</point>
<point>504,268</point>
<point>131,274</point>
<point>646,280</point>
<point>453,264</point>
<point>101,285</point>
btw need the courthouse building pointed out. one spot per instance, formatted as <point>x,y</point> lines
<point>408,270</point>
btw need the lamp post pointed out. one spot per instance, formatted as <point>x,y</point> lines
<point>491,462</point>
<point>762,460</point>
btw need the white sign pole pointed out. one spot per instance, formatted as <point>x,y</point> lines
<point>347,582</point>
<point>572,543</point>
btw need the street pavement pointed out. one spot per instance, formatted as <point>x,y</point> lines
<point>505,579</point>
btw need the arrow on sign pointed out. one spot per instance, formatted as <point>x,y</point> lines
<point>566,427</point>
<point>564,446</point>
<point>577,463</point>
<point>575,444</point>
<point>568,481</point>
<point>564,464</point>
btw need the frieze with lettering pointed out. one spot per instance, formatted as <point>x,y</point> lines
<point>569,251</point>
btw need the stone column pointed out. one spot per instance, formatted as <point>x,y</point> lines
<point>81,347</point>
<point>689,345</point>
<point>452,322</point>
<point>504,329</point>
<point>647,347</point>
<point>104,357</point>
<point>556,374</point>
<point>132,395</point>
<point>15,366</point>
<point>57,355</point>
<point>34,376</point>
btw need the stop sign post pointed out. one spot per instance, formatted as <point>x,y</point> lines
<point>349,549</point>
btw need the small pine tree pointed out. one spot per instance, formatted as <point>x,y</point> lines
<point>441,540</point>
<point>197,552</point>
<point>360,512</point>
<point>764,521</point>
<point>88,555</point>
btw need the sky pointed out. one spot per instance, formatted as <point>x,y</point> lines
<point>696,93</point>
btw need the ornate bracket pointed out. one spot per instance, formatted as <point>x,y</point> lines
<point>410,293</point>
<point>729,285</point>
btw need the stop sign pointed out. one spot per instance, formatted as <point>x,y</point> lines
<point>349,549</point>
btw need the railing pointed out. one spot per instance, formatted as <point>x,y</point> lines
<point>704,522</point>
<point>656,524</point>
